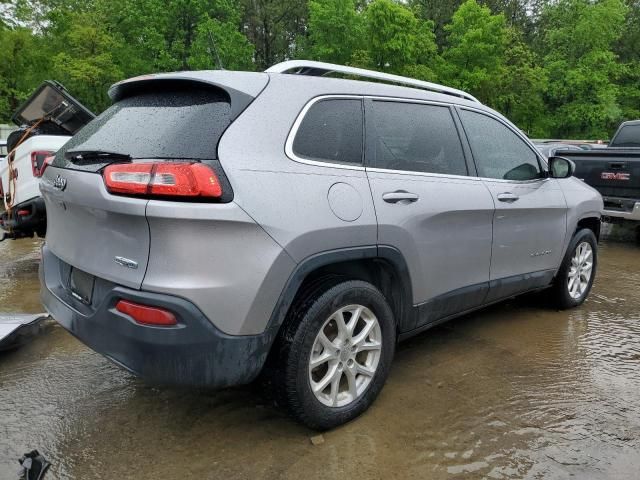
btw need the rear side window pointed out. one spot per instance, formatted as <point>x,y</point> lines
<point>331,131</point>
<point>497,150</point>
<point>161,124</point>
<point>628,136</point>
<point>416,137</point>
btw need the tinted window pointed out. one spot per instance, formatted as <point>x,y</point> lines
<point>419,138</point>
<point>331,131</point>
<point>498,151</point>
<point>629,136</point>
<point>160,124</point>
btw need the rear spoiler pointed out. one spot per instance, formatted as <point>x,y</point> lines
<point>52,101</point>
<point>246,85</point>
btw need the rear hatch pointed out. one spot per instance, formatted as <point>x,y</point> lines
<point>160,122</point>
<point>614,172</point>
<point>52,101</point>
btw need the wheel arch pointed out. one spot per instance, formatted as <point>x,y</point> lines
<point>590,222</point>
<point>382,266</point>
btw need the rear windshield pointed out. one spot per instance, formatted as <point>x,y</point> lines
<point>628,136</point>
<point>168,124</point>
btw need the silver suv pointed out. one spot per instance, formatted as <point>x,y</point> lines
<point>213,226</point>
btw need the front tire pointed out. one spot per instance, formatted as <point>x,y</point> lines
<point>574,280</point>
<point>334,354</point>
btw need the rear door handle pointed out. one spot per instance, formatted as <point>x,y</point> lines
<point>508,197</point>
<point>400,196</point>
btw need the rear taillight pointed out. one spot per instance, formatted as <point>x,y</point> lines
<point>38,162</point>
<point>146,315</point>
<point>163,179</point>
<point>47,161</point>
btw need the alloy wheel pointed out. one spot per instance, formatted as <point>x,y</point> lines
<point>345,356</point>
<point>580,270</point>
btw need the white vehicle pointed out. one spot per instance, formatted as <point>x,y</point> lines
<point>48,119</point>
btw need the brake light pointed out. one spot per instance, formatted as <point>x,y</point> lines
<point>163,179</point>
<point>47,161</point>
<point>38,162</point>
<point>146,315</point>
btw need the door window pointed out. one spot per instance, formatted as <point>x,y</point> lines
<point>331,131</point>
<point>497,150</point>
<point>416,137</point>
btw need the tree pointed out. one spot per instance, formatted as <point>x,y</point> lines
<point>474,58</point>
<point>335,30</point>
<point>439,12</point>
<point>521,86</point>
<point>230,45</point>
<point>85,65</point>
<point>629,53</point>
<point>398,41</point>
<point>23,65</point>
<point>275,28</point>
<point>582,94</point>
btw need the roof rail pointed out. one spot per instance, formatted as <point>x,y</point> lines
<point>308,67</point>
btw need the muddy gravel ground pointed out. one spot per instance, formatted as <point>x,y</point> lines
<point>515,391</point>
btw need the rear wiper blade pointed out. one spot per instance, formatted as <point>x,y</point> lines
<point>95,155</point>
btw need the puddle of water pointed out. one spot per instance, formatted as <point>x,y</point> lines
<point>515,391</point>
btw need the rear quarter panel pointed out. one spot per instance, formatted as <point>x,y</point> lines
<point>287,198</point>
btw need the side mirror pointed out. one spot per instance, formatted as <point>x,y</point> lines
<point>561,167</point>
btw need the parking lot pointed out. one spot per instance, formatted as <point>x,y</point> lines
<point>515,391</point>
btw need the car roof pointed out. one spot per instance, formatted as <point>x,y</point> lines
<point>251,84</point>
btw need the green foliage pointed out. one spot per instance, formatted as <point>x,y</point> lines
<point>231,47</point>
<point>275,27</point>
<point>85,65</point>
<point>520,87</point>
<point>474,57</point>
<point>582,94</point>
<point>397,40</point>
<point>336,30</point>
<point>561,68</point>
<point>23,64</point>
<point>384,34</point>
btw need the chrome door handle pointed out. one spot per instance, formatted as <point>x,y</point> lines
<point>508,197</point>
<point>400,196</point>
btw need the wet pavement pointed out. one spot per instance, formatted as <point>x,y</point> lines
<point>515,391</point>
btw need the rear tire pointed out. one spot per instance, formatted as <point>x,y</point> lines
<point>578,270</point>
<point>334,354</point>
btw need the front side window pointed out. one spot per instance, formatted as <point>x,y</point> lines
<point>416,137</point>
<point>497,150</point>
<point>331,131</point>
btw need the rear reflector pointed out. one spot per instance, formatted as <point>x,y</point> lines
<point>23,212</point>
<point>146,315</point>
<point>163,179</point>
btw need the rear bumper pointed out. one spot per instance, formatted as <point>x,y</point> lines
<point>193,353</point>
<point>33,221</point>
<point>622,208</point>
